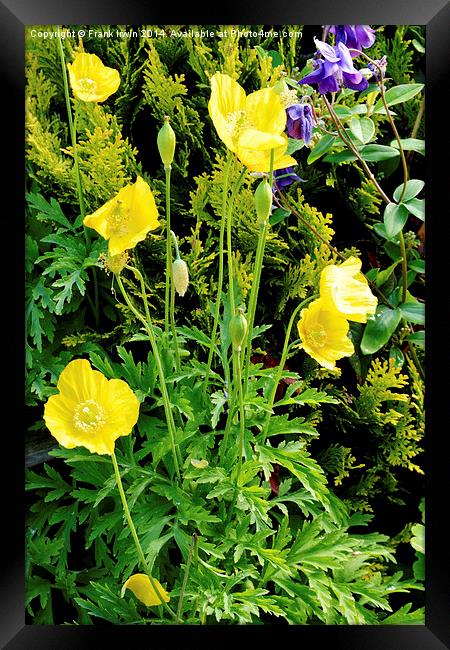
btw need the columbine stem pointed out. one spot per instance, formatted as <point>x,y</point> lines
<point>256,281</point>
<point>220,280</point>
<point>279,372</point>
<point>135,537</point>
<point>151,335</point>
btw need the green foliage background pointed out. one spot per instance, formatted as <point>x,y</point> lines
<point>348,446</point>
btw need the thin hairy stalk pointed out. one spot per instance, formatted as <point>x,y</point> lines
<point>280,368</point>
<point>135,537</point>
<point>255,284</point>
<point>416,127</point>
<point>220,280</point>
<point>169,279</point>
<point>186,576</point>
<point>147,323</point>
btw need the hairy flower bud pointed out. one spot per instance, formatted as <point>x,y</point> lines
<point>263,201</point>
<point>180,276</point>
<point>238,329</point>
<point>166,143</point>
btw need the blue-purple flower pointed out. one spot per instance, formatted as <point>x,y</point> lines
<point>334,70</point>
<point>379,69</point>
<point>285,177</point>
<point>299,122</point>
<point>353,36</point>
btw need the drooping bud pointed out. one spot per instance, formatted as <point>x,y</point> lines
<point>180,276</point>
<point>166,143</point>
<point>263,201</point>
<point>238,329</point>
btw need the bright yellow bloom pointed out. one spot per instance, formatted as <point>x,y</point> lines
<point>243,122</point>
<point>323,331</point>
<point>140,585</point>
<point>90,410</point>
<point>126,219</point>
<point>347,290</point>
<point>92,81</point>
<point>259,161</point>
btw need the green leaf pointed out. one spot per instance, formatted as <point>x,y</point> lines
<point>278,215</point>
<point>395,217</point>
<point>410,144</point>
<point>383,276</point>
<point>398,95</point>
<point>294,145</point>
<point>379,329</point>
<point>325,143</point>
<point>397,356</point>
<point>377,152</point>
<point>418,338</point>
<point>362,128</point>
<point>414,312</point>
<point>413,187</point>
<point>416,207</point>
<point>417,265</point>
<point>276,57</point>
<point>418,539</point>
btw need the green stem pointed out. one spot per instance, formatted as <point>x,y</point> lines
<point>404,266</point>
<point>151,335</point>
<point>186,575</point>
<point>172,306</point>
<point>241,413</point>
<point>220,280</point>
<point>256,282</point>
<point>135,537</point>
<point>280,368</point>
<point>169,279</point>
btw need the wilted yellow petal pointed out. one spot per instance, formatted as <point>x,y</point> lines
<point>140,585</point>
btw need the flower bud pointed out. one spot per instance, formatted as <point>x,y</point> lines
<point>166,143</point>
<point>238,329</point>
<point>263,201</point>
<point>180,276</point>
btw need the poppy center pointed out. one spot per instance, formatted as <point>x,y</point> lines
<point>316,337</point>
<point>237,121</point>
<point>88,86</point>
<point>88,416</point>
<point>118,220</point>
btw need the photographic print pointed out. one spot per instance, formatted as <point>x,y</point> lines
<point>225,309</point>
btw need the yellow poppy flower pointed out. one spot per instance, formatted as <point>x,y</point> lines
<point>254,121</point>
<point>126,219</point>
<point>346,288</point>
<point>90,410</point>
<point>323,331</point>
<point>140,585</point>
<point>92,81</point>
<point>259,161</point>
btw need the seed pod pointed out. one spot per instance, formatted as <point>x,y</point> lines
<point>180,276</point>
<point>238,329</point>
<point>166,143</point>
<point>263,201</point>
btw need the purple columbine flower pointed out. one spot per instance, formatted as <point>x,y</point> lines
<point>353,36</point>
<point>299,122</point>
<point>376,71</point>
<point>334,70</point>
<point>285,177</point>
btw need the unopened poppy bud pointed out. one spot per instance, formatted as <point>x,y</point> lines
<point>166,143</point>
<point>238,329</point>
<point>263,201</point>
<point>180,276</point>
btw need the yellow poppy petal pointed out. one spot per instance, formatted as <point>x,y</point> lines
<point>126,219</point>
<point>90,410</point>
<point>266,112</point>
<point>140,585</point>
<point>259,161</point>
<point>323,331</point>
<point>91,81</point>
<point>347,290</point>
<point>226,106</point>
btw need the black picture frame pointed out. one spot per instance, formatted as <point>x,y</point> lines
<point>14,16</point>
